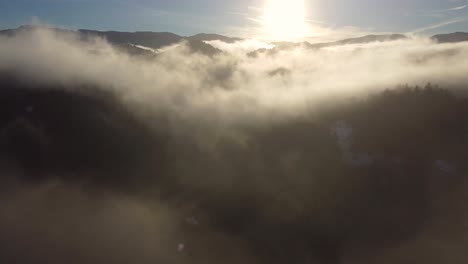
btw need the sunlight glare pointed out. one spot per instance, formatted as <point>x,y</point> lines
<point>285,19</point>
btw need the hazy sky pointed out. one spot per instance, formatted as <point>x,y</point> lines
<point>238,17</point>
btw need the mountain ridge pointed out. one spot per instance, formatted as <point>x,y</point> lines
<point>130,41</point>
<point>451,37</point>
<point>150,38</point>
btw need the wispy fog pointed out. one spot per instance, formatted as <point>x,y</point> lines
<point>258,154</point>
<point>234,85</point>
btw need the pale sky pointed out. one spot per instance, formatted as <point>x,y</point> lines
<point>240,17</point>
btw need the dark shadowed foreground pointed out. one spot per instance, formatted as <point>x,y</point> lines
<point>85,179</point>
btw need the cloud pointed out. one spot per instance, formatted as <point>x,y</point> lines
<point>441,24</point>
<point>248,153</point>
<point>191,84</point>
<point>57,223</point>
<point>457,8</point>
<point>441,12</point>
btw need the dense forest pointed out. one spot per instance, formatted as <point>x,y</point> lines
<point>360,176</point>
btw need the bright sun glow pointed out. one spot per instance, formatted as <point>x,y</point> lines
<point>285,19</point>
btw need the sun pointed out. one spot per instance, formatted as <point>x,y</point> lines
<point>285,19</point>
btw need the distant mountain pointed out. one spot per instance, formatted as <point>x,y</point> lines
<point>140,43</point>
<point>372,38</point>
<point>154,40</point>
<point>307,45</point>
<point>25,28</point>
<point>451,38</point>
<point>202,47</point>
<point>146,43</point>
<point>359,40</point>
<point>211,37</point>
<point>8,32</point>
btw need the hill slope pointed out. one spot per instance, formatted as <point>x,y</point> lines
<point>451,38</point>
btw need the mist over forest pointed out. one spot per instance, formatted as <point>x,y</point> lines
<point>155,148</point>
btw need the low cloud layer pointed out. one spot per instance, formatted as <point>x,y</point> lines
<point>192,83</point>
<point>235,157</point>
